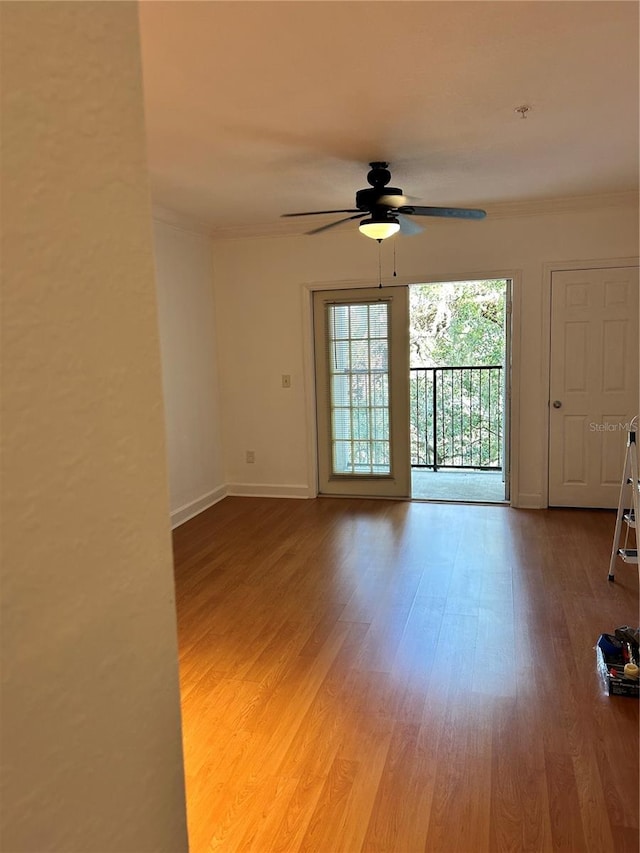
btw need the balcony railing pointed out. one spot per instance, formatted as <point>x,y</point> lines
<point>457,417</point>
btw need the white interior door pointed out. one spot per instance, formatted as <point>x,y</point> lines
<point>362,392</point>
<point>593,383</point>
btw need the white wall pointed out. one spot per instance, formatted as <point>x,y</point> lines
<point>261,304</point>
<point>91,741</point>
<point>184,276</point>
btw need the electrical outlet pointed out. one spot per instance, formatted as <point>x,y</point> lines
<point>286,380</point>
<point>251,456</point>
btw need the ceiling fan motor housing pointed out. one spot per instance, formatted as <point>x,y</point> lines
<point>379,176</point>
<point>367,199</point>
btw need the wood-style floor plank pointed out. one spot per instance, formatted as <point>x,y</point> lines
<point>396,677</point>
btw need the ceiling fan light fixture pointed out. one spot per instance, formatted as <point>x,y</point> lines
<point>379,229</point>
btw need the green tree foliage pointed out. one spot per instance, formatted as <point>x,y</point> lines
<point>457,323</point>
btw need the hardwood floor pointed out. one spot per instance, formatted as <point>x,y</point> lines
<point>387,676</point>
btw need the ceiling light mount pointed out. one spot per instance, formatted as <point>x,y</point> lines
<point>378,194</point>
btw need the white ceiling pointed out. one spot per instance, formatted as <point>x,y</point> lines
<point>255,109</point>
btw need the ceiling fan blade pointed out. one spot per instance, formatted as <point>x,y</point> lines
<point>337,222</point>
<point>449,212</point>
<point>393,200</point>
<point>407,227</point>
<point>319,212</point>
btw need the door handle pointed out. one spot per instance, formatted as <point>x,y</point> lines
<point>557,404</point>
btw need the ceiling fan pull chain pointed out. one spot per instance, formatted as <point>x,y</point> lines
<point>379,263</point>
<point>394,260</point>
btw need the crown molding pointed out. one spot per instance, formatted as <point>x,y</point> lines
<point>180,221</point>
<point>563,204</point>
<point>279,228</point>
<point>497,210</point>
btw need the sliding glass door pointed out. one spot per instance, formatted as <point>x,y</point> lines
<point>362,372</point>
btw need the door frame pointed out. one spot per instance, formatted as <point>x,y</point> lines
<point>512,416</point>
<point>397,482</point>
<point>545,361</point>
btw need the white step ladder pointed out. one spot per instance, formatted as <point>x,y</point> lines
<point>627,506</point>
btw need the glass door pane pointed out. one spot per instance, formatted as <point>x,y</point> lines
<point>358,385</point>
<point>362,381</point>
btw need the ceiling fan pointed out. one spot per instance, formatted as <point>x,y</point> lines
<point>387,209</point>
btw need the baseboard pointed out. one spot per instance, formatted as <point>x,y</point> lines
<point>268,490</point>
<point>193,508</point>
<point>528,502</point>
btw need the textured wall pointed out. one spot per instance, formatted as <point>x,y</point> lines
<point>184,275</point>
<point>90,710</point>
